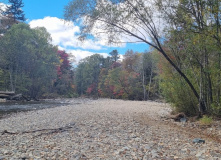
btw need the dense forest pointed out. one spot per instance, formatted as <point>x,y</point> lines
<point>29,63</point>
<point>183,65</point>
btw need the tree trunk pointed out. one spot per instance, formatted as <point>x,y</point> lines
<point>219,79</point>
<point>11,80</point>
<point>151,74</point>
<point>144,86</point>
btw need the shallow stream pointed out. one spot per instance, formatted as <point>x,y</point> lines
<point>14,107</point>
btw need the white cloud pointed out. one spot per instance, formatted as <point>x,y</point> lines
<point>80,54</point>
<point>64,33</point>
<point>3,7</point>
<point>121,57</point>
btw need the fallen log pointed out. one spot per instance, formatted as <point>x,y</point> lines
<point>12,96</point>
<point>16,97</point>
<point>7,92</point>
<point>4,96</point>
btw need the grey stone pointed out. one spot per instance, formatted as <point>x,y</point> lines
<point>198,140</point>
<point>125,148</point>
<point>183,119</point>
<point>154,153</point>
<point>147,147</point>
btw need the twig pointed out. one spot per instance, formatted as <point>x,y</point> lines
<point>49,131</point>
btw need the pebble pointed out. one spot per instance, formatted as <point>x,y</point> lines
<point>101,129</point>
<point>198,140</point>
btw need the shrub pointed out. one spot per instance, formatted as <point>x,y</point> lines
<point>179,95</point>
<point>206,120</point>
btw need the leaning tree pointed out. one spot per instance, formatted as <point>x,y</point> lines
<point>122,21</point>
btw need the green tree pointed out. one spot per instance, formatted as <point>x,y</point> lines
<point>29,60</point>
<point>14,11</point>
<point>87,75</point>
<point>114,55</point>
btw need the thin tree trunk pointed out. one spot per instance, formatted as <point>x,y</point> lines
<point>11,80</point>
<point>144,86</point>
<point>151,74</point>
<point>210,89</point>
<point>219,79</point>
<point>202,105</point>
<point>16,76</point>
<point>201,90</point>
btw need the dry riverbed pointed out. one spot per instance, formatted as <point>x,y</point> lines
<point>103,129</point>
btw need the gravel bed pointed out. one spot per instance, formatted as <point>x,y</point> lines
<point>99,129</point>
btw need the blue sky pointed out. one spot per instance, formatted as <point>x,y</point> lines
<point>38,9</point>
<point>49,14</point>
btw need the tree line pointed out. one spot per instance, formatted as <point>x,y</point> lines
<point>133,78</point>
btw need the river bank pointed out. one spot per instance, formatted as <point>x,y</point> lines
<point>101,129</point>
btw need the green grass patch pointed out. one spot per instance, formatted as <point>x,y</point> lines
<point>206,120</point>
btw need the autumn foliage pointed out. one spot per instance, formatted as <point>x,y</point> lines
<point>64,83</point>
<point>105,77</point>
